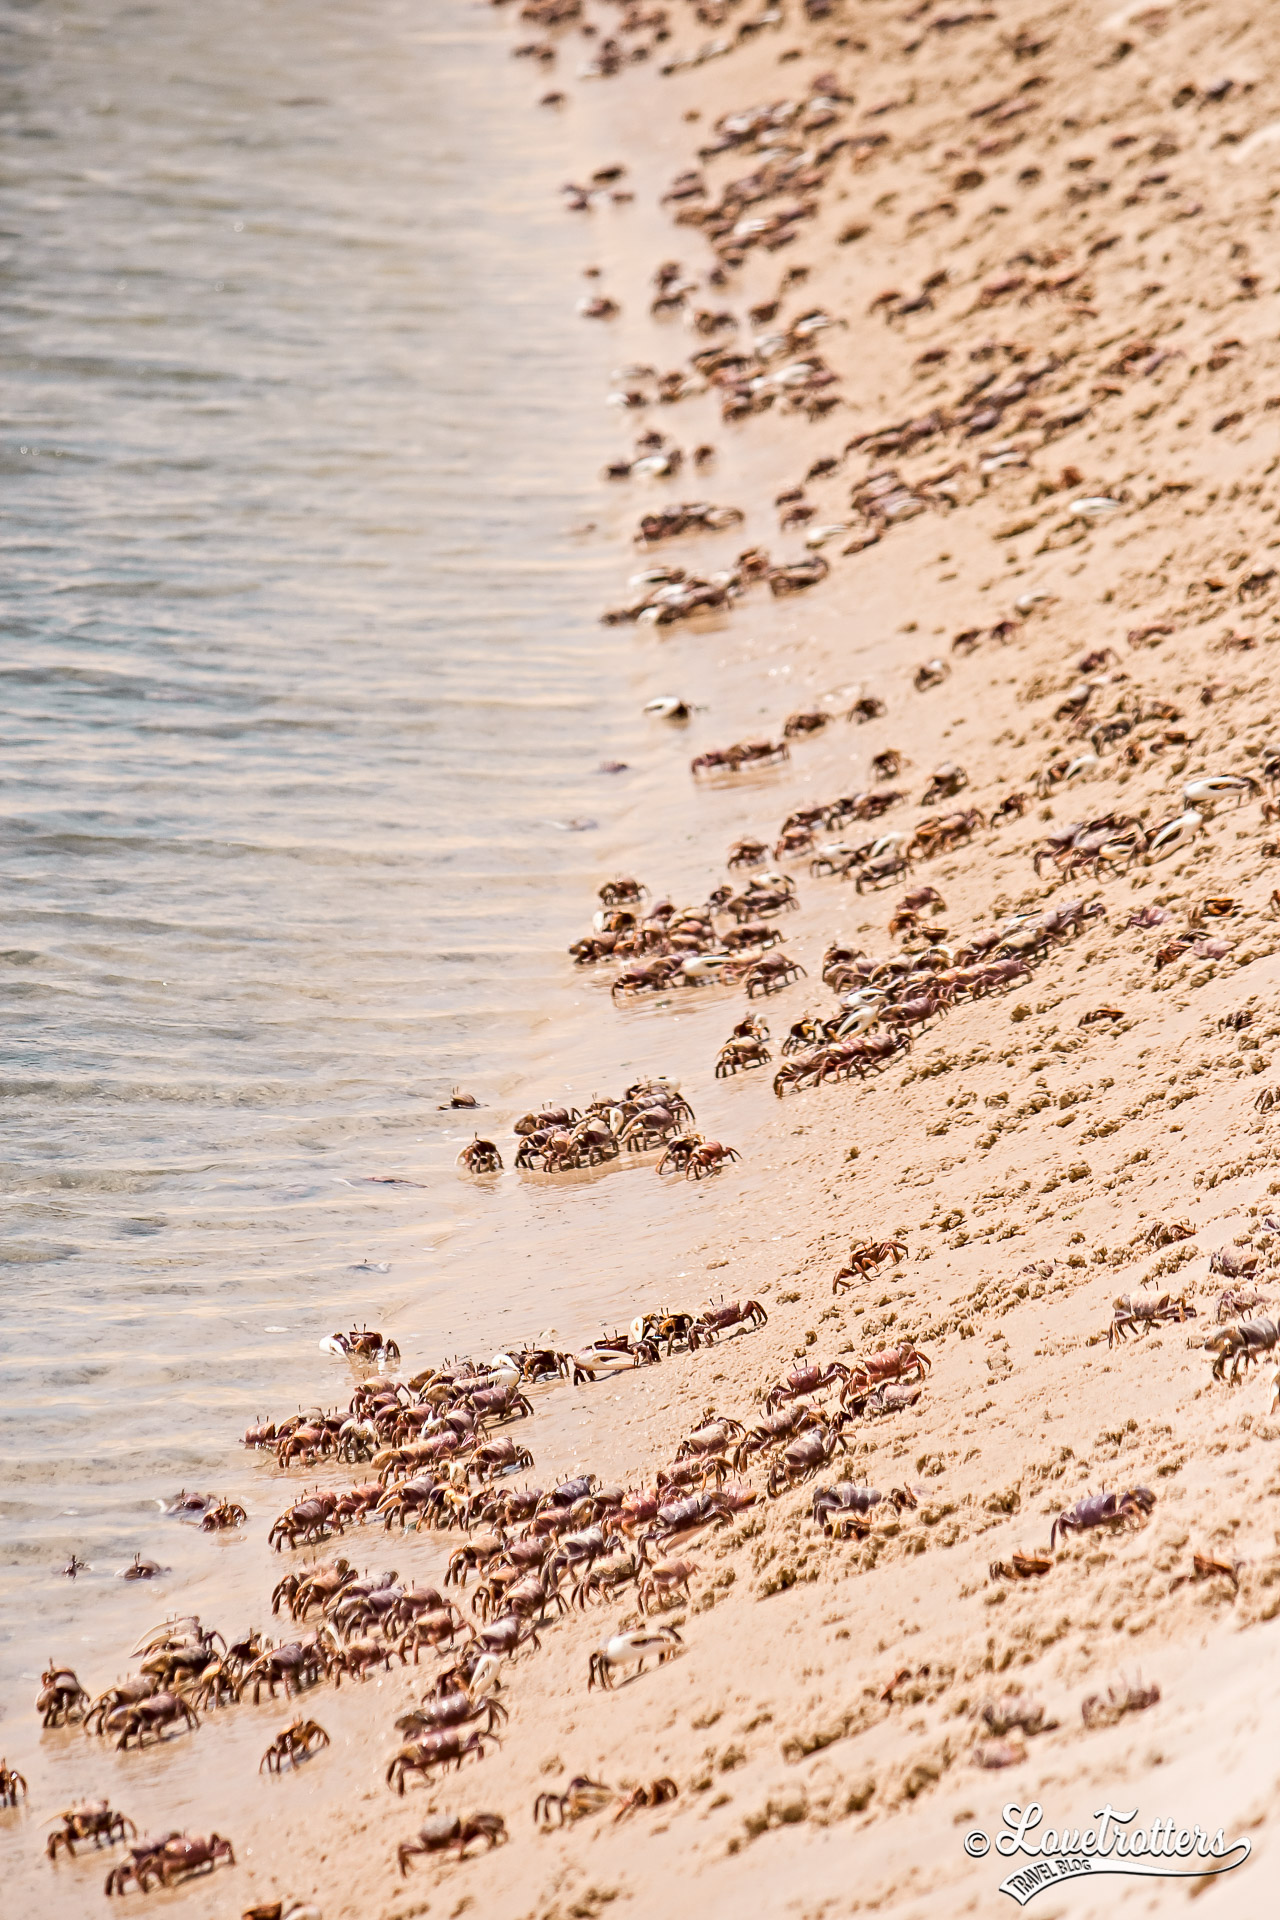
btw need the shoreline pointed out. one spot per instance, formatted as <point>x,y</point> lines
<point>822,1720</point>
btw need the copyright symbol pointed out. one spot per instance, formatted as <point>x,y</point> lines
<point>976,1844</point>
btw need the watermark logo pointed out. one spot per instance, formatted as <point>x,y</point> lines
<point>1112,1845</point>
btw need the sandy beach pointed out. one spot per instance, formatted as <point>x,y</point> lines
<point>1013,360</point>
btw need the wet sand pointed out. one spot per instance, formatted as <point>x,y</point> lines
<point>822,1718</point>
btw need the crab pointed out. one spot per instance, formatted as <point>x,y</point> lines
<point>866,1259</point>
<point>13,1786</point>
<point>637,1510</point>
<point>530,1594</point>
<point>737,1055</point>
<point>1205,1566</point>
<point>1207,791</point>
<point>904,1362</point>
<point>503,1455</point>
<point>61,1698</point>
<point>308,1441</point>
<point>688,1474</point>
<point>1023,1566</point>
<point>530,1123</point>
<point>179,1637</point>
<point>181,1855</point>
<point>601,1362</point>
<point>921,897</point>
<point>626,1649</point>
<point>771,973</point>
<point>605,1578</point>
<point>356,1657</point>
<point>889,865</point>
<point>141,1856</point>
<point>503,1402</point>
<point>317,1586</point>
<point>944,785</point>
<point>152,1717</point>
<point>480,1156</point>
<point>293,1666</point>
<point>282,1910</point>
<point>666,1326</point>
<point>444,1830</point>
<point>804,1380</point>
<point>655,1794</point>
<point>680,1152</point>
<point>126,1694</point>
<point>91,1820</point>
<point>843,1509</point>
<point>1103,1710</point>
<point>1166,1233</point>
<point>563,1498</point>
<point>140,1569</point>
<point>709,1157</point>
<point>183,1656</point>
<point>804,1456</point>
<point>1012,807</point>
<point>189,1506</point>
<point>474,1555</point>
<point>1234,1301</point>
<point>1242,1345</point>
<point>882,1400</point>
<point>747,852</point>
<point>624,891</point>
<point>1015,1712</point>
<point>889,1691</point>
<point>1000,1753</point>
<point>453,1707</point>
<point>873,1052</point>
<point>1233,1265</point>
<point>713,1321</point>
<point>364,1343</point>
<point>582,1797</point>
<point>743,753</point>
<point>811,721</point>
<point>651,1127</point>
<point>441,1749</point>
<point>915,933</point>
<point>217,1684</point>
<point>773,1429</point>
<point>680,1520</point>
<point>299,1741</point>
<point>434,1629</point>
<point>1172,835</point>
<point>765,894</point>
<point>665,1581</point>
<point>1103,1510</point>
<point>712,1436</point>
<point>931,674</point>
<point>223,1515</point>
<point>1133,1312</point>
<point>309,1521</point>
<point>506,1636</point>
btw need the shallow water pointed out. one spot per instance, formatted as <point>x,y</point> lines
<point>300,669</point>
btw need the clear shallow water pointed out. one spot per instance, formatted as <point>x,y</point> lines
<point>298,667</point>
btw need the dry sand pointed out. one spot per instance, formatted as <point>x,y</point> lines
<point>1022,1156</point>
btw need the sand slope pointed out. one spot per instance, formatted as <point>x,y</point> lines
<point>1102,213</point>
